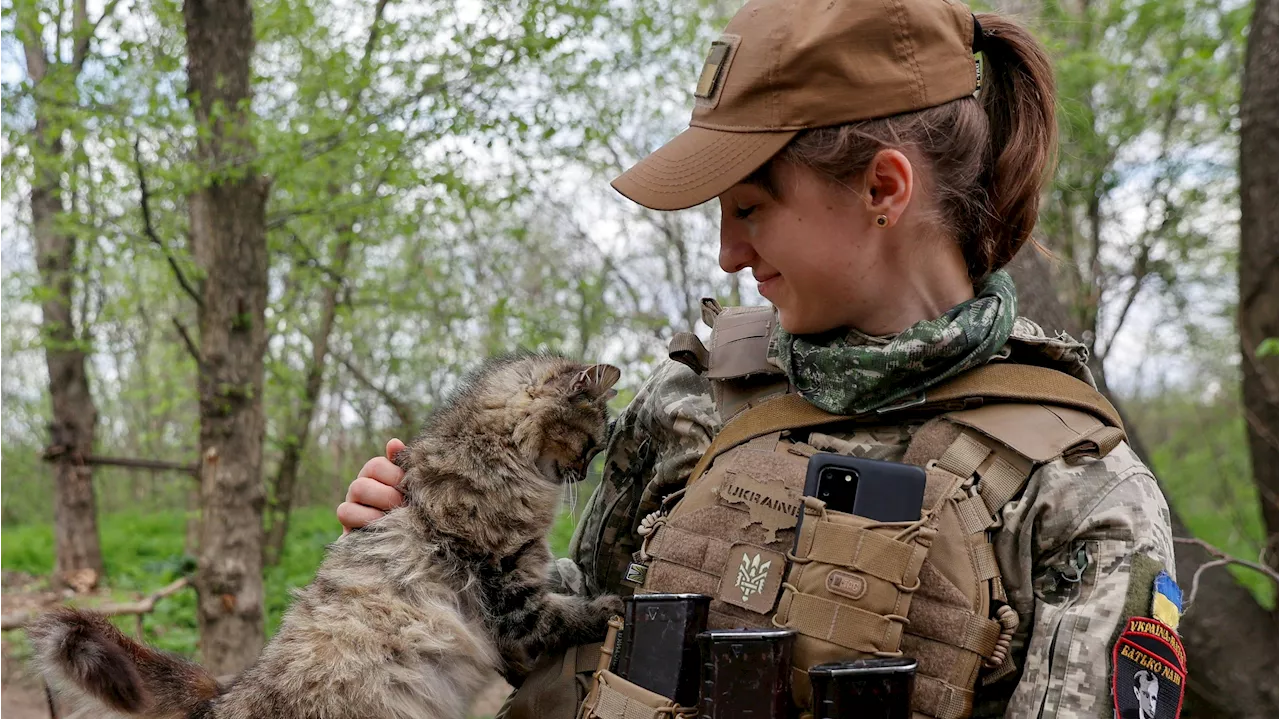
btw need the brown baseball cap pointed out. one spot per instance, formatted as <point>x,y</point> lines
<point>783,66</point>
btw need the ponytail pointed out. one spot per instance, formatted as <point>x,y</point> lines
<point>1019,99</point>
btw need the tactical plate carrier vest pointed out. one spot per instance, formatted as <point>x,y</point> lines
<point>853,587</point>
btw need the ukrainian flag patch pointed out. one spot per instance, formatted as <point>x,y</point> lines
<point>1166,600</point>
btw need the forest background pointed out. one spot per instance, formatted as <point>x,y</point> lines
<point>243,246</point>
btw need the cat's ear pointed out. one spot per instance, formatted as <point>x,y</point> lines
<point>596,380</point>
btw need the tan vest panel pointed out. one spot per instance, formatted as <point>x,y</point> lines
<point>853,587</point>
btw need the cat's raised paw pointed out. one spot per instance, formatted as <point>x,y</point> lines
<point>608,604</point>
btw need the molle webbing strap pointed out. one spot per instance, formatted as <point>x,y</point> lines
<point>1098,443</point>
<point>865,551</point>
<point>1001,481</point>
<point>974,515</point>
<point>941,700</point>
<point>613,704</point>
<point>691,550</point>
<point>711,309</point>
<point>1001,382</point>
<point>984,559</point>
<point>839,623</point>
<point>964,456</point>
<point>689,351</point>
<point>590,657</point>
<point>788,411</point>
<point>956,627</point>
<point>613,697</point>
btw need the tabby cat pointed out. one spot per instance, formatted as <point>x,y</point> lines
<point>410,616</point>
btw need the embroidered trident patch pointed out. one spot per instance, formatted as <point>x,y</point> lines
<point>752,575</point>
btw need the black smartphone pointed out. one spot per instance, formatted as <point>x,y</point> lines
<point>871,488</point>
<point>866,688</point>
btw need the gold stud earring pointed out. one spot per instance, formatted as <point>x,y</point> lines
<point>882,221</point>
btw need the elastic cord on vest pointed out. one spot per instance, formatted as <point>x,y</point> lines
<point>977,36</point>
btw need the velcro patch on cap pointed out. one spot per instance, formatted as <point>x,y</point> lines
<point>712,70</point>
<point>752,577</point>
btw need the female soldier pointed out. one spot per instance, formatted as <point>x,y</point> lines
<point>875,183</point>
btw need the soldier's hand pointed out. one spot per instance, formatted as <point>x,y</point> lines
<point>373,493</point>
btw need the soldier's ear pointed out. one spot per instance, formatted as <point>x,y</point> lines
<point>596,380</point>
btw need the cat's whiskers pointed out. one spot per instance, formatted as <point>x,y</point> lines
<point>571,497</point>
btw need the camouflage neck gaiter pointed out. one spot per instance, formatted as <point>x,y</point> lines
<point>847,372</point>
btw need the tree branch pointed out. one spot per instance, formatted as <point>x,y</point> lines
<point>149,228</point>
<point>402,410</point>
<point>186,340</point>
<point>80,34</point>
<point>283,218</point>
<point>143,606</point>
<point>33,46</point>
<point>57,26</point>
<point>1222,560</point>
<point>1139,276</point>
<point>52,453</point>
<point>1149,237</point>
<point>375,28</point>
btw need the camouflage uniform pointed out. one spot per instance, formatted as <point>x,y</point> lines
<point>1065,547</point>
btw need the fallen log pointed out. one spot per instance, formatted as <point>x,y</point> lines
<point>19,620</point>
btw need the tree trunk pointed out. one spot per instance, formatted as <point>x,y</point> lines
<point>1230,639</point>
<point>74,414</point>
<point>300,429</point>
<point>74,417</point>
<point>1258,272</point>
<point>228,235</point>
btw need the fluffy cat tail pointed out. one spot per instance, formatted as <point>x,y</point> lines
<point>84,652</point>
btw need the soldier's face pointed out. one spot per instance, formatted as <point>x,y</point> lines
<point>817,253</point>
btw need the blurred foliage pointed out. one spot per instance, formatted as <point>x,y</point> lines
<point>1199,452</point>
<point>1143,209</point>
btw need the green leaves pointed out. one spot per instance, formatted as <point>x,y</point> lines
<point>1145,184</point>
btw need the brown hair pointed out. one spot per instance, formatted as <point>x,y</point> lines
<point>989,156</point>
